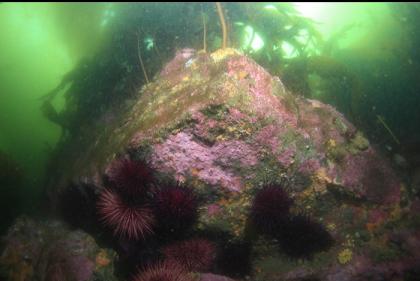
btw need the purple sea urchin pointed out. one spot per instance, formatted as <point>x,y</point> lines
<point>166,271</point>
<point>194,255</point>
<point>131,178</point>
<point>176,208</point>
<point>270,209</point>
<point>128,220</point>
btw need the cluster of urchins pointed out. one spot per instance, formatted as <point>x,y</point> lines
<point>135,207</point>
<point>298,235</point>
<point>143,213</point>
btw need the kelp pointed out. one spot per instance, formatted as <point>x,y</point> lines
<point>144,36</point>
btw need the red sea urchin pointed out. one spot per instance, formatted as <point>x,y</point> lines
<point>196,254</point>
<point>166,271</point>
<point>127,220</point>
<point>270,209</point>
<point>176,208</point>
<point>131,178</point>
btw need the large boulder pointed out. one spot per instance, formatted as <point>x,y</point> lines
<point>222,124</point>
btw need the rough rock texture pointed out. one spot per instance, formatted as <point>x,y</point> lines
<point>49,251</point>
<point>225,126</point>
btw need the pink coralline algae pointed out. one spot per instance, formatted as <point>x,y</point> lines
<point>236,115</point>
<point>268,136</point>
<point>230,150</point>
<point>310,166</point>
<point>182,154</point>
<point>286,157</point>
<point>369,176</point>
<point>319,122</point>
<point>213,210</point>
<point>259,83</point>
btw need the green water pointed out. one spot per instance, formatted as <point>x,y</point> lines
<point>41,42</point>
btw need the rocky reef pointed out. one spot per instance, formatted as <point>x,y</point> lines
<point>225,128</point>
<point>48,250</point>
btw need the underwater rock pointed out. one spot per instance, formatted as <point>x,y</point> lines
<point>214,115</point>
<point>222,124</point>
<point>47,250</point>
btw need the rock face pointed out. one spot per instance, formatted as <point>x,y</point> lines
<point>226,127</point>
<point>206,116</point>
<point>49,251</point>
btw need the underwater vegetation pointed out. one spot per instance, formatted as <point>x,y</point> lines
<point>324,78</point>
<point>138,48</point>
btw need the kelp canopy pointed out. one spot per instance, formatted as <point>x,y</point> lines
<point>150,34</point>
<point>145,36</point>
